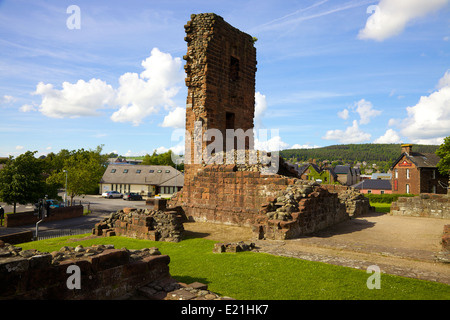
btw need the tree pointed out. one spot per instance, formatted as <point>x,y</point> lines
<point>163,159</point>
<point>443,152</point>
<point>21,180</point>
<point>84,169</point>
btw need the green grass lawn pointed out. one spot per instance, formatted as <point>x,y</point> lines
<point>381,207</point>
<point>251,275</point>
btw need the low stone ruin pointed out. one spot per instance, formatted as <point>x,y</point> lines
<point>306,207</point>
<point>155,225</point>
<point>104,272</point>
<point>233,247</point>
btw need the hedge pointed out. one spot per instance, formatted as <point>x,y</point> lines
<point>386,198</point>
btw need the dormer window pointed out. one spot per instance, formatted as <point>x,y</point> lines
<point>113,170</point>
<point>138,171</point>
<point>125,170</point>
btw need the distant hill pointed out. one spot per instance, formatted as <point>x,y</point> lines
<point>369,152</point>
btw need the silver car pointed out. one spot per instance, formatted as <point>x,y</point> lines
<point>112,194</point>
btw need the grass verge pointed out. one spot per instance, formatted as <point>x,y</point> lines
<point>259,276</point>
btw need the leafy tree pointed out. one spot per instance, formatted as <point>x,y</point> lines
<point>22,181</point>
<point>84,169</point>
<point>444,153</point>
<point>163,159</point>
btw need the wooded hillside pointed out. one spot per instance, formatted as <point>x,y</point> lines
<point>352,153</point>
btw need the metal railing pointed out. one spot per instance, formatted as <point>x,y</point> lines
<point>56,233</point>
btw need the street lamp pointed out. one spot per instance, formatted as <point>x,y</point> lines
<point>65,191</point>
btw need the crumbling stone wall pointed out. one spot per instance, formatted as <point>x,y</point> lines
<point>155,225</point>
<point>105,272</point>
<point>424,205</point>
<point>276,206</point>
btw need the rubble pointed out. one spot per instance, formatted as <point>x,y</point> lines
<point>147,224</point>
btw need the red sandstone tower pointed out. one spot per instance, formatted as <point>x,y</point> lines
<point>220,67</point>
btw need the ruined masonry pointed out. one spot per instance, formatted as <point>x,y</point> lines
<point>220,68</point>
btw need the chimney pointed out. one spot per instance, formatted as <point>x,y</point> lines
<point>407,148</point>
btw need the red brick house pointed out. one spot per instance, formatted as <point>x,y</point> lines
<point>416,173</point>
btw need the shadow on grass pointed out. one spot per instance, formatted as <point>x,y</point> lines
<point>188,279</point>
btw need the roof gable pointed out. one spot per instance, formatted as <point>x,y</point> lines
<point>420,160</point>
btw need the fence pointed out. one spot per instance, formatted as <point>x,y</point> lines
<point>56,233</point>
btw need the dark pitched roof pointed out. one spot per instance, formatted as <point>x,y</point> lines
<point>142,174</point>
<point>342,169</point>
<point>421,160</point>
<point>374,184</point>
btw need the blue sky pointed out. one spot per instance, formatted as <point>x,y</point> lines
<point>329,72</point>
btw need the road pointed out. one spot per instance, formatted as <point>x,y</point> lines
<point>100,209</point>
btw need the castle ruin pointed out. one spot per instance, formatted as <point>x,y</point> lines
<point>220,68</point>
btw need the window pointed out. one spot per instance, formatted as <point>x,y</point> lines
<point>234,69</point>
<point>113,170</point>
<point>396,173</point>
<point>382,191</point>
<point>369,191</point>
<point>159,171</point>
<point>167,171</point>
<point>151,171</point>
<point>433,189</point>
<point>125,170</point>
<point>408,175</point>
<point>229,120</point>
<point>138,171</point>
<point>407,188</point>
<point>434,174</point>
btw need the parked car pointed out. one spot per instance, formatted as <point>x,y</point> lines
<point>54,203</point>
<point>112,194</point>
<point>132,196</point>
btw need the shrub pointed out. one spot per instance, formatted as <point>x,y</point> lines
<point>386,198</point>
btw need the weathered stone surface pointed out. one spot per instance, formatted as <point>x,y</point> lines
<point>147,224</point>
<point>424,205</point>
<point>106,273</point>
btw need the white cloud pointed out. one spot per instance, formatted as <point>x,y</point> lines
<point>304,146</point>
<point>7,99</point>
<point>19,147</point>
<point>141,95</point>
<point>391,17</point>
<point>273,144</point>
<point>365,111</point>
<point>351,135</point>
<point>73,100</point>
<point>137,96</point>
<point>390,136</point>
<point>344,114</point>
<point>27,108</point>
<point>260,108</point>
<point>175,118</point>
<point>429,120</point>
<point>178,149</point>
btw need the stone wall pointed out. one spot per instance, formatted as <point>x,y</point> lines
<point>276,206</point>
<point>18,237</point>
<point>424,205</point>
<point>105,272</point>
<point>155,225</point>
<point>30,217</point>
